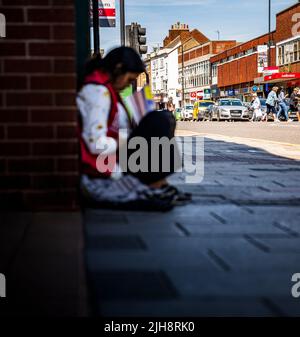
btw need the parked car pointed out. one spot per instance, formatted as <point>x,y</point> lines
<point>208,113</point>
<point>178,114</point>
<point>188,112</point>
<point>230,109</point>
<point>199,108</point>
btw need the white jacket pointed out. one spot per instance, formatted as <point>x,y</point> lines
<point>94,104</point>
<point>256,104</point>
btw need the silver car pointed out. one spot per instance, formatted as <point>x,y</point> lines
<point>230,109</point>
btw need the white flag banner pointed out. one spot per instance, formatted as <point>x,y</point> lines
<point>106,12</point>
<point>262,58</point>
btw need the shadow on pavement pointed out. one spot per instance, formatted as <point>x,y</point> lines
<point>231,252</point>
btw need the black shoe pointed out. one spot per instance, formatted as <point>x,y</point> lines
<point>147,203</point>
<point>180,198</point>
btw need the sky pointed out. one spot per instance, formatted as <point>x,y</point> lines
<point>239,20</point>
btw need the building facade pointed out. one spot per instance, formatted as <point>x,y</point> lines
<point>159,75</point>
<point>197,72</point>
<point>237,72</point>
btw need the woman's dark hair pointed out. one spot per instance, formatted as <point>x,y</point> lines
<point>117,62</point>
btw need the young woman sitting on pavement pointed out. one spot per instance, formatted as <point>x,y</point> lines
<point>102,114</point>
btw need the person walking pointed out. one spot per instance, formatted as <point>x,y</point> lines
<point>283,108</point>
<point>298,104</point>
<point>171,106</point>
<point>256,106</point>
<point>294,99</point>
<point>102,115</point>
<point>271,103</point>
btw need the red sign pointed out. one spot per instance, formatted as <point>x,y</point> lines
<point>193,94</point>
<point>270,70</point>
<point>107,12</point>
<point>111,12</point>
<point>199,93</point>
<point>282,77</point>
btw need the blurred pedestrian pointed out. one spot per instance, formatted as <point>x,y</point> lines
<point>283,108</point>
<point>271,103</point>
<point>294,102</point>
<point>256,106</point>
<point>171,106</point>
<point>298,105</point>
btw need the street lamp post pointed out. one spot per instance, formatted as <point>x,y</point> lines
<point>122,21</point>
<point>182,76</point>
<point>96,28</point>
<point>269,43</point>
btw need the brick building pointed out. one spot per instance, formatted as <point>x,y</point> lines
<point>197,67</point>
<point>235,71</point>
<point>38,80</point>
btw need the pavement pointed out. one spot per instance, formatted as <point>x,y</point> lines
<point>41,256</point>
<point>231,252</point>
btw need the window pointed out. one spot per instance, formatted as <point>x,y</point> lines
<point>281,55</point>
<point>288,52</point>
<point>249,51</point>
<point>296,51</point>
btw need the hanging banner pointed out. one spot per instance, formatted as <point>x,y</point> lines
<point>262,58</point>
<point>107,13</point>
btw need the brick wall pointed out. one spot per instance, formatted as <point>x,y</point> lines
<point>242,70</point>
<point>242,47</point>
<point>285,24</point>
<point>219,46</point>
<point>38,146</point>
<point>206,49</point>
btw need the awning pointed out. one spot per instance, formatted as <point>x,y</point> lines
<point>281,77</point>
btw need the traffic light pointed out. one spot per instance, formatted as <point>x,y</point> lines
<point>142,40</point>
<point>136,38</point>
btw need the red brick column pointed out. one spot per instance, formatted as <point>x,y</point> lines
<point>38,146</point>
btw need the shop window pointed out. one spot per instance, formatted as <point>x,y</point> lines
<point>281,55</point>
<point>296,51</point>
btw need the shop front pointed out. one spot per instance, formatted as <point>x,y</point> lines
<point>286,80</point>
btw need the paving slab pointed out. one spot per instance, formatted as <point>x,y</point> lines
<point>231,252</point>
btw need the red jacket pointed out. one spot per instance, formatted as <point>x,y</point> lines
<point>89,164</point>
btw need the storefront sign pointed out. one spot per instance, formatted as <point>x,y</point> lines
<point>207,94</point>
<point>270,70</point>
<point>107,13</point>
<point>281,77</point>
